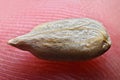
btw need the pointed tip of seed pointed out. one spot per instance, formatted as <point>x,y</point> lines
<point>13,42</point>
<point>18,43</point>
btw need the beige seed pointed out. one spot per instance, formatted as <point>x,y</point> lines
<point>65,40</point>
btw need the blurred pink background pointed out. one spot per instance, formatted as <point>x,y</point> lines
<point>18,17</point>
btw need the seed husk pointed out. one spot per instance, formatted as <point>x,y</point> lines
<point>65,40</point>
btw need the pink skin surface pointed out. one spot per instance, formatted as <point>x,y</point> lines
<point>18,17</point>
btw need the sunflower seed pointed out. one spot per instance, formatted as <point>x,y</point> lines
<point>65,40</point>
